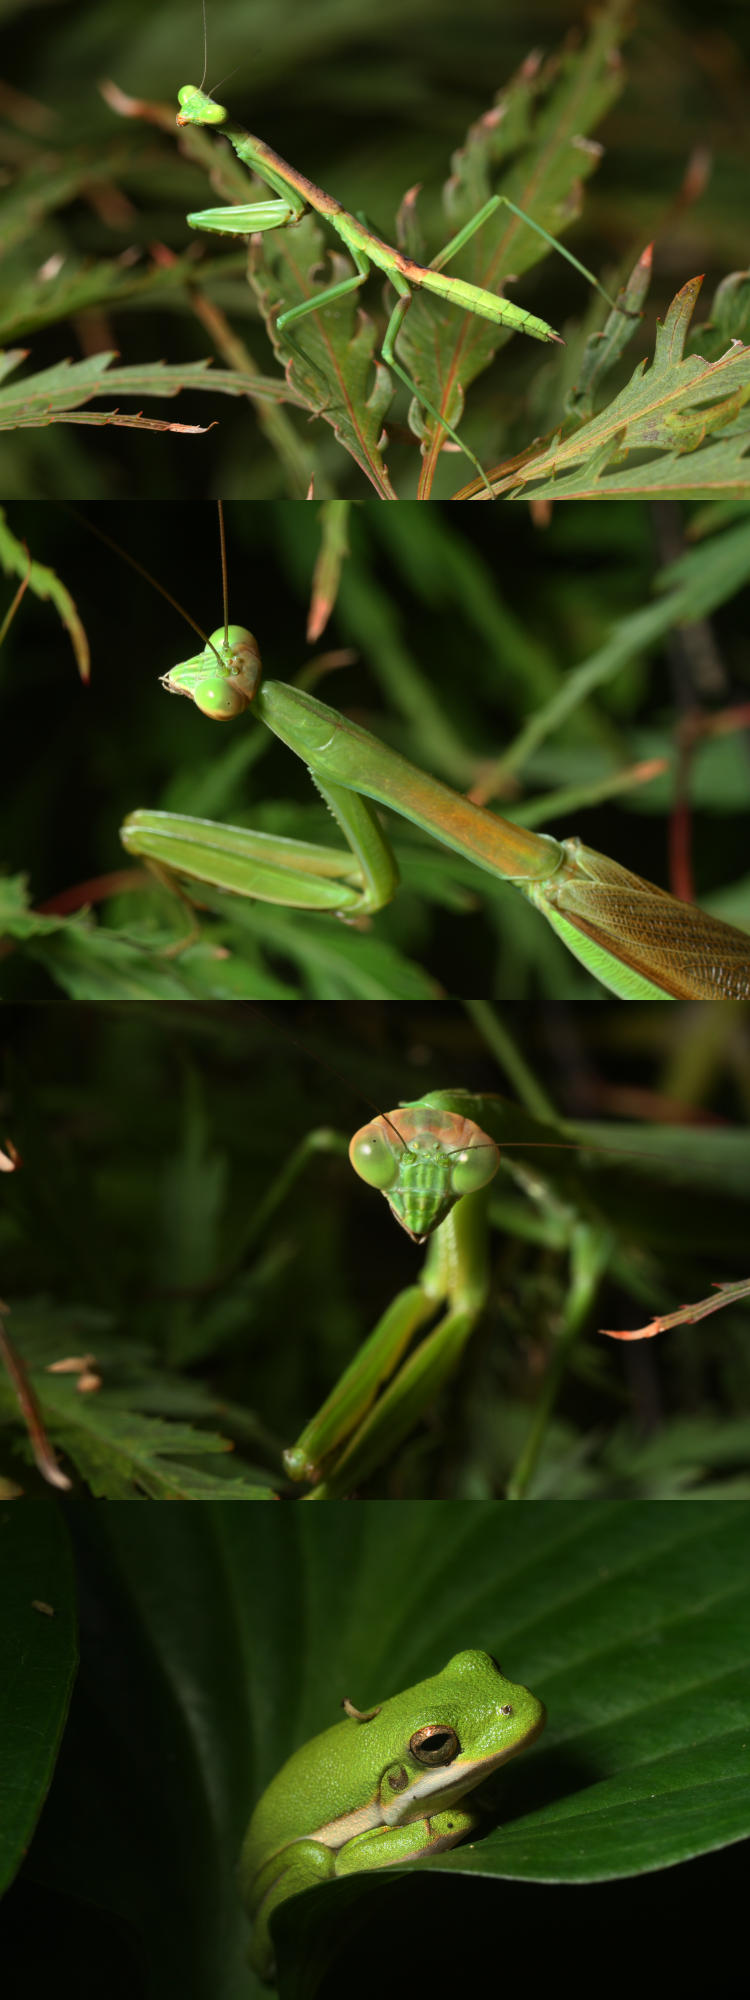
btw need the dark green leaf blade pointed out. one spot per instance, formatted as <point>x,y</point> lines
<point>37,1667</point>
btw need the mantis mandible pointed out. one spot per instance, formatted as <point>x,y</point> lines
<point>640,942</point>
<point>294,193</point>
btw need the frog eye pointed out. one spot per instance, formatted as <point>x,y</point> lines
<point>434,1744</point>
<point>372,1158</point>
<point>473,1168</point>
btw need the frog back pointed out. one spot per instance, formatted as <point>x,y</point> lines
<point>316,1784</point>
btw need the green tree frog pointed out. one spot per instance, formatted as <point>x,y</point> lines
<point>385,1785</point>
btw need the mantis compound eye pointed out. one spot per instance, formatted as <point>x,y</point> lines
<point>222,694</point>
<point>221,699</point>
<point>372,1157</point>
<point>472,1169</point>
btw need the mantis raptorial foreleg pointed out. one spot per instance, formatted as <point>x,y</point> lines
<point>434,1163</point>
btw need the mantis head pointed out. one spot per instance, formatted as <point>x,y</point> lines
<point>198,109</point>
<point>423,1160</point>
<point>224,678</point>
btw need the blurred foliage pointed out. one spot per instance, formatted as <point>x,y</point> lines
<point>540,665</point>
<point>151,1135</point>
<point>368,105</point>
<point>212,1644</point>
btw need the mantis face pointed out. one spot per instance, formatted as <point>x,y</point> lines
<point>224,678</point>
<point>197,108</point>
<point>423,1159</point>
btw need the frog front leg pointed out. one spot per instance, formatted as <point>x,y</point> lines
<point>416,1842</point>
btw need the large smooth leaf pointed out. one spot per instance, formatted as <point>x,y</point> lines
<point>37,1668</point>
<point>216,1642</point>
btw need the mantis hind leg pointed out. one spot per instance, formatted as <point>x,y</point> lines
<point>464,235</point>
<point>497,201</point>
<point>395,322</point>
<point>392,331</point>
<point>325,298</point>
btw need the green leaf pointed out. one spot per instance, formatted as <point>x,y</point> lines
<point>44,301</point>
<point>684,591</point>
<point>729,318</point>
<point>233,960</point>
<point>37,1668</point>
<point>671,407</point>
<point>337,962</point>
<point>120,1452</point>
<point>236,1643</point>
<point>55,394</point>
<point>538,120</point>
<point>47,184</point>
<point>44,583</point>
<point>330,358</point>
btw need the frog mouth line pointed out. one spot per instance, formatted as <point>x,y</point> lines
<point>438,1782</point>
<point>443,1784</point>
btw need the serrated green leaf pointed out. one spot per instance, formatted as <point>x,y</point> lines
<point>119,1450</point>
<point>333,362</point>
<point>55,395</point>
<point>671,406</point>
<point>541,116</point>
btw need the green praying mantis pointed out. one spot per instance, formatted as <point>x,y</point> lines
<point>294,193</point>
<point>517,1215</point>
<point>637,940</point>
<point>434,1163</point>
<point>434,1159</point>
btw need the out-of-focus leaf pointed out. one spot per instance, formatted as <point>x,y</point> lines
<point>37,1668</point>
<point>16,561</point>
<point>120,1452</point>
